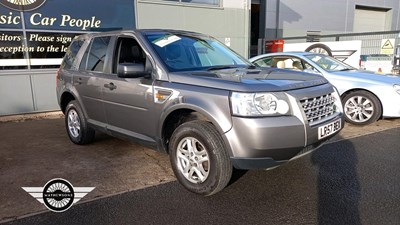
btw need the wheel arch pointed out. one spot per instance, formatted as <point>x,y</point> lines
<point>66,97</point>
<point>177,116</point>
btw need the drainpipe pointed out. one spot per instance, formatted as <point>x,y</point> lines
<point>278,3</point>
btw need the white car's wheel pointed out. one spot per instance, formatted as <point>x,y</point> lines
<point>361,108</point>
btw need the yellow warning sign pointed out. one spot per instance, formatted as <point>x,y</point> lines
<point>387,46</point>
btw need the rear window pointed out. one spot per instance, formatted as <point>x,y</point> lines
<point>70,55</point>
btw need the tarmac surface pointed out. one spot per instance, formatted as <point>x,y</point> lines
<point>34,151</point>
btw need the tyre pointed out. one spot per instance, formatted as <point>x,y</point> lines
<point>77,128</point>
<point>199,159</point>
<point>361,108</point>
<point>319,48</point>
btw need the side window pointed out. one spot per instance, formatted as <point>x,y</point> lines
<point>296,64</point>
<point>264,62</point>
<point>287,62</point>
<point>128,50</point>
<point>279,62</point>
<point>71,53</point>
<point>97,54</point>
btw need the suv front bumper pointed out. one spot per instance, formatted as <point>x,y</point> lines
<point>270,141</point>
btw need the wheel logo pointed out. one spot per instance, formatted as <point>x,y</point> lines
<point>58,195</point>
<point>22,5</point>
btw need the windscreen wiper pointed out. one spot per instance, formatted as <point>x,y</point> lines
<point>222,67</point>
<point>346,69</point>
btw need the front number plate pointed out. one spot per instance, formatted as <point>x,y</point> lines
<point>329,129</point>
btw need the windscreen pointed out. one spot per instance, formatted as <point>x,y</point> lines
<point>187,53</point>
<point>328,63</point>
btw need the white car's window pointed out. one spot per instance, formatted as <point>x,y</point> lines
<point>282,62</point>
<point>263,62</point>
<point>328,63</point>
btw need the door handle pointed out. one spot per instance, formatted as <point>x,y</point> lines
<point>110,86</point>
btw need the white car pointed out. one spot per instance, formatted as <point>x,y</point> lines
<point>366,96</point>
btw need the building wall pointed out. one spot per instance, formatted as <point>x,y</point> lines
<point>295,17</point>
<point>229,22</point>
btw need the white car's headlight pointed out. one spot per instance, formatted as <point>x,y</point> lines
<point>397,88</point>
<point>259,104</point>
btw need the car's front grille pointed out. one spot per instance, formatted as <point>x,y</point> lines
<point>318,108</point>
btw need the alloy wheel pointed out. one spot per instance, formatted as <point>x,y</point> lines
<point>74,124</point>
<point>359,109</point>
<point>193,160</point>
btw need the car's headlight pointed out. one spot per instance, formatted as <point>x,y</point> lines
<point>397,88</point>
<point>259,104</point>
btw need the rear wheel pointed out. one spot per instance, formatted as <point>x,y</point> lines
<point>361,108</point>
<point>77,128</point>
<point>199,158</point>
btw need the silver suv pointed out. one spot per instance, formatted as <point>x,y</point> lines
<point>192,97</point>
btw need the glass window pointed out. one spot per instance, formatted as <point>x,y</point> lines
<point>71,53</point>
<point>185,53</point>
<point>328,63</point>
<point>88,15</point>
<point>310,69</point>
<point>48,49</point>
<point>264,62</point>
<point>12,50</point>
<point>10,18</point>
<point>208,2</point>
<point>97,55</point>
<point>209,56</point>
<point>128,50</point>
<point>204,2</point>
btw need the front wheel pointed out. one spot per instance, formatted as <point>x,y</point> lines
<point>361,108</point>
<point>199,159</point>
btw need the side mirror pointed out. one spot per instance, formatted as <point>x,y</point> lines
<point>131,70</point>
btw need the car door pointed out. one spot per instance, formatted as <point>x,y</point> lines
<point>128,101</point>
<point>87,80</point>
